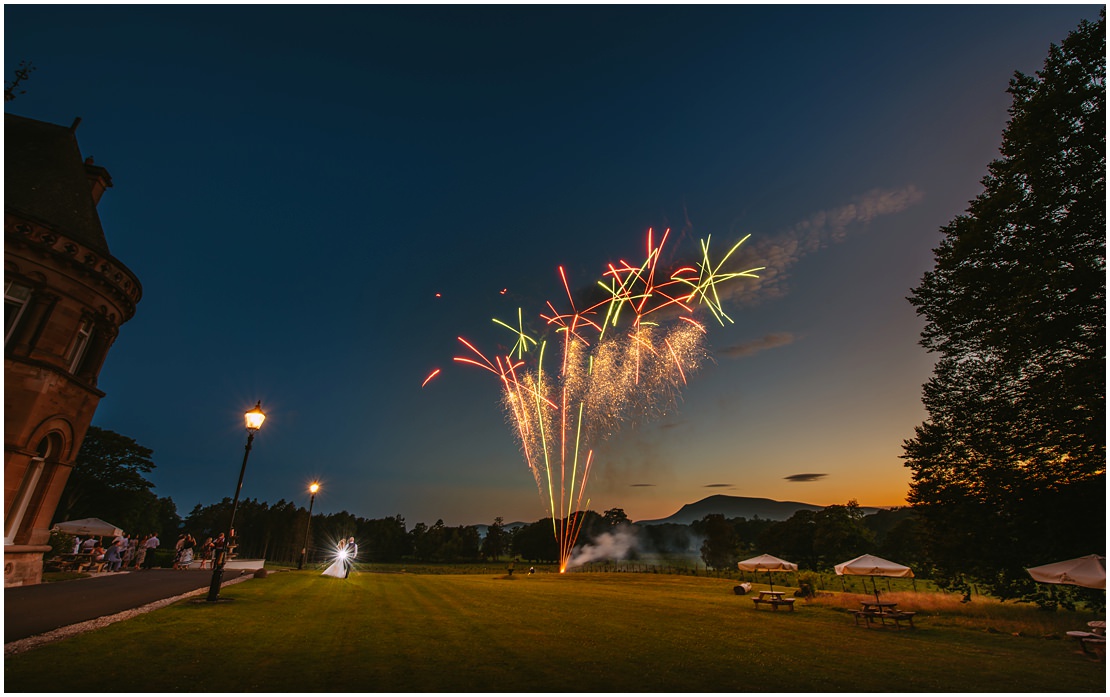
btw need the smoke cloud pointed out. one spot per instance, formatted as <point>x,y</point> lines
<point>779,252</point>
<point>608,545</point>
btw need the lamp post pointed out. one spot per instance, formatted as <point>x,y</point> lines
<point>254,419</point>
<point>304,549</point>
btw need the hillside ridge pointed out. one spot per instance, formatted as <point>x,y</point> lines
<point>739,507</point>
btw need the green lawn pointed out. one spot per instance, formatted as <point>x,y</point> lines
<point>301,632</point>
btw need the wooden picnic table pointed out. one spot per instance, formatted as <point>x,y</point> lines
<point>775,599</point>
<point>881,611</point>
<point>1094,641</point>
<point>69,562</point>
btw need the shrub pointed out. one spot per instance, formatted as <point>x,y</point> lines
<point>60,542</point>
<point>163,558</point>
<point>807,585</point>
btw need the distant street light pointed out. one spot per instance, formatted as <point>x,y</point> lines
<point>254,419</point>
<point>304,549</point>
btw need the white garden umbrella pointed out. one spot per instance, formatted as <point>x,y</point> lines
<point>765,562</point>
<point>869,565</point>
<point>1088,571</point>
<point>89,526</point>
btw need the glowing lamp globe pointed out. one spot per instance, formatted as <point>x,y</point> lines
<point>314,488</point>
<point>255,417</point>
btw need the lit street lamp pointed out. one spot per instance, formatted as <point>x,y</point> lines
<point>254,419</point>
<point>304,549</point>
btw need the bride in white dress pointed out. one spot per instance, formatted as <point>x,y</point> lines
<point>338,568</point>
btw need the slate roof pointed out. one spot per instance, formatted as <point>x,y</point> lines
<point>45,179</point>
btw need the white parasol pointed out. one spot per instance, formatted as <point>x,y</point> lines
<point>869,565</point>
<point>765,562</point>
<point>1088,572</point>
<point>89,526</point>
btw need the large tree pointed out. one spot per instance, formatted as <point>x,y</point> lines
<point>107,482</point>
<point>535,542</point>
<point>384,539</point>
<point>494,542</point>
<point>1009,468</point>
<point>721,546</point>
<point>616,516</point>
<point>839,534</point>
<point>792,539</point>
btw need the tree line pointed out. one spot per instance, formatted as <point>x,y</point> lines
<point>108,482</point>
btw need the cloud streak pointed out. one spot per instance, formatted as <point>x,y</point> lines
<point>750,348</point>
<point>808,477</point>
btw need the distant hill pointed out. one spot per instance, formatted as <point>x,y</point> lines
<point>739,507</point>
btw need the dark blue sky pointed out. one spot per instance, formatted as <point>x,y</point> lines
<point>293,185</point>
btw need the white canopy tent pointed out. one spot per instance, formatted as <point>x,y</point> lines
<point>89,526</point>
<point>1088,572</point>
<point>765,562</point>
<point>869,565</point>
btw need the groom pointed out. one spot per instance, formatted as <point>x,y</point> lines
<point>352,552</point>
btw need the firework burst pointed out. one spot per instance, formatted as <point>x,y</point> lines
<point>621,361</point>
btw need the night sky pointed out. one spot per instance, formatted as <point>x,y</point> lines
<point>294,185</point>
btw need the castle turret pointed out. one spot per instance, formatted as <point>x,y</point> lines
<point>65,297</point>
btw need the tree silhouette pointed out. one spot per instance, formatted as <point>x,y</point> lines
<point>22,73</point>
<point>1013,452</point>
<point>721,545</point>
<point>107,482</point>
<point>494,542</point>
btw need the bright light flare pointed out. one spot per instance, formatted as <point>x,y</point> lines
<point>254,417</point>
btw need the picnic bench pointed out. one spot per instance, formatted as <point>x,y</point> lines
<point>1093,645</point>
<point>882,615</point>
<point>92,566</point>
<point>71,562</point>
<point>1093,642</point>
<point>775,599</point>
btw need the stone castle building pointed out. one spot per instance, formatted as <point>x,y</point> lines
<point>65,297</point>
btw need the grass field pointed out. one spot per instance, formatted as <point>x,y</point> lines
<point>301,632</point>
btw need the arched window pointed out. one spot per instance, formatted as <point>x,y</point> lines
<point>49,448</point>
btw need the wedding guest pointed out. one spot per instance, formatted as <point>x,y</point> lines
<point>206,553</point>
<point>150,545</point>
<point>112,556</point>
<point>140,552</point>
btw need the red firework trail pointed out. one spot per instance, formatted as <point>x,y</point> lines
<point>429,378</point>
